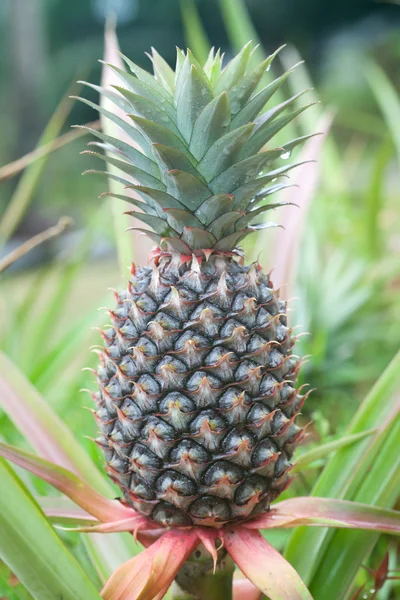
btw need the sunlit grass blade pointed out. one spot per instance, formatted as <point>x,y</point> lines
<point>240,27</point>
<point>195,33</point>
<point>375,200</point>
<point>33,551</point>
<point>26,186</point>
<point>349,464</point>
<point>348,550</point>
<point>387,99</point>
<point>323,450</point>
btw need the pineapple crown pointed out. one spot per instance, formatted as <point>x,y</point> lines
<point>199,150</point>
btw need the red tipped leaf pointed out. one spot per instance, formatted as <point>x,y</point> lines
<point>69,484</point>
<point>328,512</point>
<point>150,573</point>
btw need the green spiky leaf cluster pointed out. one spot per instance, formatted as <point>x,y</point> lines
<point>200,154</point>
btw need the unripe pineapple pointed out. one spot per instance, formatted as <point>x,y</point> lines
<point>197,399</point>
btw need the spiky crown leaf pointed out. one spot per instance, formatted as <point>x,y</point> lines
<point>198,158</point>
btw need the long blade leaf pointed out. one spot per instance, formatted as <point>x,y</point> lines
<point>33,551</point>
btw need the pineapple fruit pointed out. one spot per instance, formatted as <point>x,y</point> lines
<point>197,398</point>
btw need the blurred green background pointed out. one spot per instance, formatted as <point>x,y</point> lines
<point>345,267</point>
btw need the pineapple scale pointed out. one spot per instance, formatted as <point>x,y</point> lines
<point>197,398</point>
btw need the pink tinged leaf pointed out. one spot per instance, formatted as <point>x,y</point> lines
<point>293,217</point>
<point>328,512</point>
<point>69,484</point>
<point>264,566</point>
<point>149,536</point>
<point>29,412</point>
<point>150,573</point>
<point>132,525</point>
<point>243,589</point>
<point>63,509</point>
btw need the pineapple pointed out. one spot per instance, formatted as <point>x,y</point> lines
<point>197,399</point>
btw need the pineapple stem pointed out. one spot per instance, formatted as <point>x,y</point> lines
<point>196,579</point>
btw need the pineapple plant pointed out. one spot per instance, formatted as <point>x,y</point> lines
<point>197,399</point>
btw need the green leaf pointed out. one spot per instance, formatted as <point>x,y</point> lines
<point>158,134</point>
<point>211,125</point>
<point>240,93</point>
<point>251,217</point>
<point>269,128</point>
<point>224,152</point>
<point>162,71</point>
<point>224,225</point>
<point>142,89</point>
<point>179,219</point>
<point>142,177</point>
<point>147,78</point>
<point>170,158</point>
<point>214,207</point>
<point>123,125</point>
<point>215,68</point>
<point>246,192</point>
<point>323,450</point>
<point>250,110</point>
<point>142,205</point>
<point>144,108</point>
<point>230,241</point>
<point>234,70</point>
<point>184,74</point>
<point>139,159</point>
<point>198,238</point>
<point>33,551</point>
<point>125,182</point>
<point>180,59</point>
<point>157,224</point>
<point>240,173</point>
<point>158,200</point>
<point>110,94</point>
<point>195,95</point>
<point>187,188</point>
